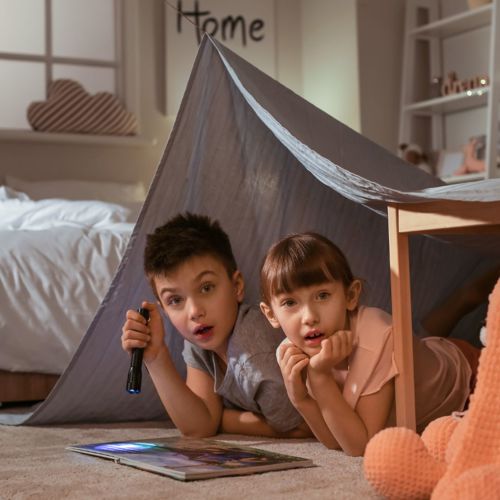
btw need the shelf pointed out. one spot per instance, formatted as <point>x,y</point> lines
<point>451,103</point>
<point>105,140</point>
<point>455,179</point>
<point>457,24</point>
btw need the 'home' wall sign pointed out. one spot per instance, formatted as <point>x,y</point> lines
<point>231,27</point>
<point>247,27</point>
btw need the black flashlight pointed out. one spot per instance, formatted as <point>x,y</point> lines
<point>135,371</point>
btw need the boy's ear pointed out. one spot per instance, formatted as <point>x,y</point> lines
<point>353,293</point>
<point>239,285</point>
<point>268,313</point>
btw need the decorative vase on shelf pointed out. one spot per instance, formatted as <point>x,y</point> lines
<point>473,4</point>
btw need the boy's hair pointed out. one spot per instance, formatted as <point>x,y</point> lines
<point>182,237</point>
<point>302,260</point>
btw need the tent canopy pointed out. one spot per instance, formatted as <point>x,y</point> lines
<point>264,162</point>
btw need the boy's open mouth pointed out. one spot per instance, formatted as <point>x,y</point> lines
<point>203,331</point>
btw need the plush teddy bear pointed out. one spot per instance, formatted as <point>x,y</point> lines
<point>458,456</point>
<point>412,153</point>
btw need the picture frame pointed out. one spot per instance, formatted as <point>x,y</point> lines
<point>448,163</point>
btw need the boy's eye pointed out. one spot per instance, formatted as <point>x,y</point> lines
<point>174,300</point>
<point>207,287</point>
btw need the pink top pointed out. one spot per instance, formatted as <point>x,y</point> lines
<point>442,372</point>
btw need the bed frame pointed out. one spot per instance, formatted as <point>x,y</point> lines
<point>17,386</point>
<point>426,218</point>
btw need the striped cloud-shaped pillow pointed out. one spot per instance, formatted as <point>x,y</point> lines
<point>70,108</point>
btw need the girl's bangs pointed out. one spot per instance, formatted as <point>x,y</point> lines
<point>293,275</point>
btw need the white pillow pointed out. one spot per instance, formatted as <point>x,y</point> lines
<point>111,192</point>
<point>50,213</point>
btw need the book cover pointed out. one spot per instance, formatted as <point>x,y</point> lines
<point>188,459</point>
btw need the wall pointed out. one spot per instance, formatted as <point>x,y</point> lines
<point>330,58</point>
<point>317,57</point>
<point>380,31</point>
<point>289,56</point>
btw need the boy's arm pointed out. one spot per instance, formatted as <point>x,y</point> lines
<point>193,406</point>
<point>251,424</point>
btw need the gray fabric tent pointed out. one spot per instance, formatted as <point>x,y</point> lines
<point>264,162</point>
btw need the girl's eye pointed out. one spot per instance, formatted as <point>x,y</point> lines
<point>207,287</point>
<point>323,295</point>
<point>288,303</point>
<point>174,300</point>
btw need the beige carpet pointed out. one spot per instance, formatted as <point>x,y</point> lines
<point>34,464</point>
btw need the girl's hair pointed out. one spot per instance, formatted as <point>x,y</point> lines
<point>302,260</point>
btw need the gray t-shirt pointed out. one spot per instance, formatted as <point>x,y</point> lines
<point>253,380</point>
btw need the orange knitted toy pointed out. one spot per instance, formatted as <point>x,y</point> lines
<point>457,457</point>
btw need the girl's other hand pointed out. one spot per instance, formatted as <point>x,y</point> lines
<point>334,350</point>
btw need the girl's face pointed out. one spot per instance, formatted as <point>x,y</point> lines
<point>310,314</point>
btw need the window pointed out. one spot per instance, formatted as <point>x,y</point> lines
<point>43,40</point>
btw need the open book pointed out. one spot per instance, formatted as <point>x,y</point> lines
<point>188,459</point>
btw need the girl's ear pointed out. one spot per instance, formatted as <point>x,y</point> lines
<point>239,285</point>
<point>268,313</point>
<point>353,293</point>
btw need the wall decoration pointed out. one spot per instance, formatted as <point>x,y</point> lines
<point>452,85</point>
<point>69,108</point>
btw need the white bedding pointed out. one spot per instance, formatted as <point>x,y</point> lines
<point>57,260</point>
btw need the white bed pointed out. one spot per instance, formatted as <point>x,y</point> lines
<point>57,259</point>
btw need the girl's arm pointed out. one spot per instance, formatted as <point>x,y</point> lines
<point>311,413</point>
<point>351,428</point>
<point>293,363</point>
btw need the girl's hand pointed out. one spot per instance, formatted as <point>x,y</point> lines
<point>333,350</point>
<point>138,333</point>
<point>292,362</point>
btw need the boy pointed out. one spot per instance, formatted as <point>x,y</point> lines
<point>233,382</point>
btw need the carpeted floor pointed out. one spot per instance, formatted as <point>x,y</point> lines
<point>35,464</point>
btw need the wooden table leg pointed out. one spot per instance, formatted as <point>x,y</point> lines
<point>402,322</point>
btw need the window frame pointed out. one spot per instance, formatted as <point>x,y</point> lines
<point>124,66</point>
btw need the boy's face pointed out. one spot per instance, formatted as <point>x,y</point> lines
<point>310,314</point>
<point>202,301</point>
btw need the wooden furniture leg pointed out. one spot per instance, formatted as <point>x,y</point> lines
<point>402,323</point>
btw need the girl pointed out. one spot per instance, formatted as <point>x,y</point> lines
<point>337,361</point>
